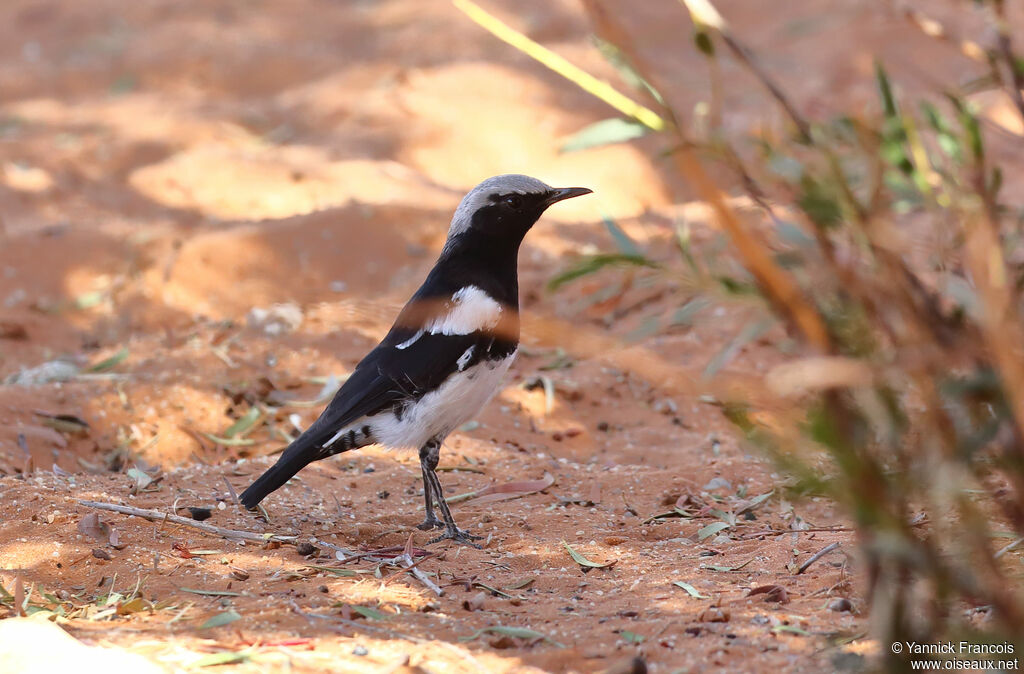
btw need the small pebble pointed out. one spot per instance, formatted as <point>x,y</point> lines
<point>840,605</point>
<point>306,549</point>
<point>200,514</point>
<point>360,651</point>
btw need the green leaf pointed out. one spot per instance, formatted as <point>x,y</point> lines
<point>690,589</point>
<point>629,74</point>
<point>516,632</point>
<point>712,529</point>
<point>222,658</point>
<point>518,585</point>
<point>228,442</point>
<point>676,512</point>
<point>971,126</point>
<point>791,629</point>
<point>702,39</point>
<point>586,563</point>
<point>885,90</point>
<point>631,637</point>
<point>606,132</point>
<point>819,202</point>
<point>243,424</point>
<point>754,502</point>
<point>685,314</point>
<point>220,619</point>
<point>625,244</point>
<point>748,334</point>
<point>592,263</point>
<point>371,613</point>
<point>89,300</point>
<point>108,363</point>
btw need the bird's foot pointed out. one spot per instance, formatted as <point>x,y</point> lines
<point>459,536</point>
<point>431,522</point>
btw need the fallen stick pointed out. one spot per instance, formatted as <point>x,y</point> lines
<point>1009,547</point>
<point>405,561</point>
<point>157,516</point>
<point>818,555</point>
<point>410,566</point>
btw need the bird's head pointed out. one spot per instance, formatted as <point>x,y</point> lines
<point>506,206</point>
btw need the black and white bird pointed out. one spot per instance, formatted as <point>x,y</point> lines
<point>445,355</point>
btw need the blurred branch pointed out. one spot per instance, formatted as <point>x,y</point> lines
<point>1014,64</point>
<point>704,15</point>
<point>936,30</point>
<point>777,284</point>
<point>598,88</point>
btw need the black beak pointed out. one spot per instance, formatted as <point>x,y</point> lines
<point>562,193</point>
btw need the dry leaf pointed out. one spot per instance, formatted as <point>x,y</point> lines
<point>115,539</point>
<point>771,593</point>
<point>91,526</point>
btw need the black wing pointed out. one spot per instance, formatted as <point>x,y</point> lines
<point>389,376</point>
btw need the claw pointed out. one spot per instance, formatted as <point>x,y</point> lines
<point>459,536</point>
<point>430,523</point>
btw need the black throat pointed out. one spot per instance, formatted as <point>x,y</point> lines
<point>485,255</point>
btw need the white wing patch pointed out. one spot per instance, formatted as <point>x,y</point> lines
<point>472,310</point>
<point>409,342</point>
<point>335,438</point>
<point>464,359</point>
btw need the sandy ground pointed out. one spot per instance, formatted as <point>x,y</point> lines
<point>166,167</point>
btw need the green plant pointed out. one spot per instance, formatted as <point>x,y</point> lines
<point>887,251</point>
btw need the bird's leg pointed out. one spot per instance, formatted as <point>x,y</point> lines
<point>429,456</point>
<point>427,467</point>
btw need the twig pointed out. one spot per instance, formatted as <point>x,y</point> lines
<point>404,560</point>
<point>1005,41</point>
<point>410,566</point>
<point>231,490</point>
<point>936,30</point>
<point>818,555</point>
<point>157,516</point>
<point>812,530</point>
<point>1011,546</point>
<point>747,58</point>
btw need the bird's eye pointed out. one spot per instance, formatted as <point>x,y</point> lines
<point>513,202</point>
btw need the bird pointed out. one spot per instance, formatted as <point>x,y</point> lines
<point>445,355</point>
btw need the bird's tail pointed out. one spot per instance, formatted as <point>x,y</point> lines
<point>282,471</point>
<point>306,449</point>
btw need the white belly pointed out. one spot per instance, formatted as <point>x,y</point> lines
<point>440,412</point>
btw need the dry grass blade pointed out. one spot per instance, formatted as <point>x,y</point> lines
<point>586,563</point>
<point>515,632</point>
<point>583,79</point>
<point>504,492</point>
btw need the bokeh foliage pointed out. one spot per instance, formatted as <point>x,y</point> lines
<point>884,249</point>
